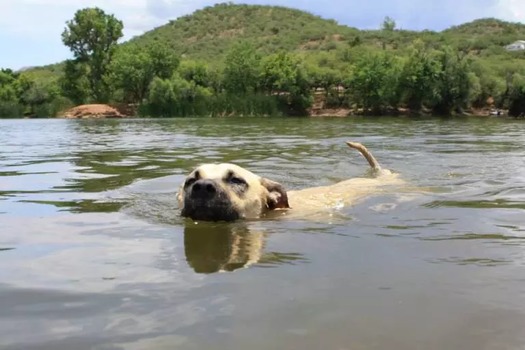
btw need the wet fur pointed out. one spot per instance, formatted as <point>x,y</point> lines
<point>227,192</point>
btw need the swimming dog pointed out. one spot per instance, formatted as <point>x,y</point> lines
<point>228,192</point>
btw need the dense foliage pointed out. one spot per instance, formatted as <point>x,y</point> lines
<point>250,60</point>
<point>20,95</point>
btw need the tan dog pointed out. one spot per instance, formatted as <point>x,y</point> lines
<point>227,192</point>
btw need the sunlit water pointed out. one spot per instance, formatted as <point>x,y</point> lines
<point>95,256</point>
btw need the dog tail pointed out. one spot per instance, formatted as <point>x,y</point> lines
<point>366,153</point>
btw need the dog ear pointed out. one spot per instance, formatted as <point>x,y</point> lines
<point>277,197</point>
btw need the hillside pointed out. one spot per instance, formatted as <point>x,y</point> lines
<point>488,27</point>
<point>485,36</point>
<point>207,34</point>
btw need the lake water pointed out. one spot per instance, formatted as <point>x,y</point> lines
<point>95,256</point>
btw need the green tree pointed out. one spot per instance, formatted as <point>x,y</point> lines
<point>176,97</point>
<point>387,27</point>
<point>39,98</point>
<point>418,77</point>
<point>8,91</point>
<point>161,98</point>
<point>491,85</point>
<point>134,68</point>
<point>331,82</point>
<point>454,83</point>
<point>196,71</point>
<point>374,82</point>
<point>282,74</point>
<point>517,96</point>
<point>388,24</point>
<point>10,106</point>
<point>74,84</point>
<point>241,70</point>
<point>92,36</point>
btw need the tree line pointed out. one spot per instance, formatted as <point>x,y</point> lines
<point>435,78</point>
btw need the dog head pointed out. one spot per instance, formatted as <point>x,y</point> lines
<point>227,192</point>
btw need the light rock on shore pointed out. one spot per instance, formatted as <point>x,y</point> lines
<point>92,111</point>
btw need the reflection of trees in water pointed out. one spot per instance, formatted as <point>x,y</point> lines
<point>83,205</point>
<point>109,155</point>
<point>214,247</point>
<point>106,170</point>
<point>112,169</point>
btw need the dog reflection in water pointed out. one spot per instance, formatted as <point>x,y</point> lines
<point>223,247</point>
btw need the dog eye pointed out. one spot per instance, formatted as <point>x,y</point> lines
<point>236,180</point>
<point>189,182</point>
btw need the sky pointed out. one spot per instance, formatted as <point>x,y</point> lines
<point>30,30</point>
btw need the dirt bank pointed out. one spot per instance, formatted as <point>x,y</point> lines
<point>94,111</point>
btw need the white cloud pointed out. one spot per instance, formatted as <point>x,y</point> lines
<point>30,30</point>
<point>48,17</point>
<point>511,10</point>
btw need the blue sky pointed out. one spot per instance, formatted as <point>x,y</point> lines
<point>30,29</point>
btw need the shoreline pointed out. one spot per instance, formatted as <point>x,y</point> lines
<point>121,111</point>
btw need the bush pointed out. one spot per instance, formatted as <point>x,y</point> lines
<point>517,96</point>
<point>11,109</point>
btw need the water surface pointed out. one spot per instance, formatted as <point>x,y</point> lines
<point>95,256</point>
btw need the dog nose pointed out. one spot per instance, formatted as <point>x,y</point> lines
<point>204,189</point>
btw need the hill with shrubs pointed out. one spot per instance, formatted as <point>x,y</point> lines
<point>232,59</point>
